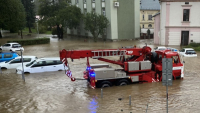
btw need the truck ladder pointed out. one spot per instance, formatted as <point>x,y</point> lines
<point>105,53</point>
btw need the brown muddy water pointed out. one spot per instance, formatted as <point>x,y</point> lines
<point>53,92</point>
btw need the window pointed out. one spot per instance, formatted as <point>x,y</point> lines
<point>16,45</point>
<point>103,11</point>
<point>16,61</point>
<point>93,0</point>
<point>186,14</point>
<point>26,59</point>
<point>7,45</point>
<point>59,62</point>
<point>30,63</point>
<point>0,56</point>
<point>38,64</point>
<point>50,62</point>
<point>143,26</point>
<point>103,0</point>
<point>183,50</point>
<point>186,2</point>
<point>8,55</point>
<point>150,17</point>
<point>84,1</point>
<point>149,25</point>
<point>76,1</point>
<point>143,17</point>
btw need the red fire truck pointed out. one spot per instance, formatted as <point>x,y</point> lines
<point>138,65</point>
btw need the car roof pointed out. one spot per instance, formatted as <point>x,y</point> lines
<point>161,46</point>
<point>12,43</point>
<point>26,56</point>
<point>188,48</point>
<point>8,52</point>
<point>48,58</point>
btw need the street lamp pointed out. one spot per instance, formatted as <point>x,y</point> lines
<point>22,66</point>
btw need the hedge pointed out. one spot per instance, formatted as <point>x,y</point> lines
<point>31,41</point>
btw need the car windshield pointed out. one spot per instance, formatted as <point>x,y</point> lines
<point>16,45</point>
<point>29,64</point>
<point>190,52</point>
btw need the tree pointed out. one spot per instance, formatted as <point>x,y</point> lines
<point>12,15</point>
<point>96,24</point>
<point>30,14</point>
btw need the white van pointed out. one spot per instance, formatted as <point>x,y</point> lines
<point>17,62</point>
<point>43,65</point>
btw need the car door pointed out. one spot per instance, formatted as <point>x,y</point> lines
<point>50,66</point>
<point>38,67</point>
<point>182,52</point>
<point>14,63</point>
<point>8,56</point>
<point>6,47</point>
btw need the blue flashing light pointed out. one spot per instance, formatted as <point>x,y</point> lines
<point>88,68</point>
<point>92,74</point>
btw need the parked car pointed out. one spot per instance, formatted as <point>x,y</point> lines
<point>17,62</point>
<point>11,47</point>
<point>42,65</point>
<point>188,52</point>
<point>160,48</point>
<point>7,56</point>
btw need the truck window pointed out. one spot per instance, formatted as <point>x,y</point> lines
<point>175,59</point>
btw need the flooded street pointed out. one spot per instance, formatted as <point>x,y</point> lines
<point>53,92</point>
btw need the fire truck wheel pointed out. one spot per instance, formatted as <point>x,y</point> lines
<point>105,84</point>
<point>122,82</point>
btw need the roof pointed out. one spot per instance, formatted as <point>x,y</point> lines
<point>188,48</point>
<point>156,14</point>
<point>48,58</point>
<point>12,43</point>
<point>150,5</point>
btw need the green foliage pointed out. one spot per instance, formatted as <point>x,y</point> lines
<point>12,14</point>
<point>195,46</point>
<point>32,41</point>
<point>70,16</point>
<point>54,31</point>
<point>30,14</point>
<point>42,29</point>
<point>96,24</point>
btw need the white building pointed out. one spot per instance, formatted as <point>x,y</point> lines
<point>123,16</point>
<point>179,22</point>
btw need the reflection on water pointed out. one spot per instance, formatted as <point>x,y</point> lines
<point>53,92</point>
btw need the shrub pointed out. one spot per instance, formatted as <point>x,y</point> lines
<point>42,29</point>
<point>31,41</point>
<point>54,31</point>
<point>194,44</point>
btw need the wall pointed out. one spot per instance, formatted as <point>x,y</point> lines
<point>162,23</point>
<point>146,22</point>
<point>157,29</point>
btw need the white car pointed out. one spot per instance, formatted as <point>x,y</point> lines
<point>12,47</point>
<point>188,52</point>
<point>43,65</point>
<point>17,62</point>
<point>160,48</point>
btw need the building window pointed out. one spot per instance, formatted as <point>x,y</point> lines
<point>93,0</point>
<point>104,11</point>
<point>150,17</point>
<point>84,1</point>
<point>149,25</point>
<point>143,17</point>
<point>76,1</point>
<point>143,26</point>
<point>103,0</point>
<point>186,14</point>
<point>186,2</point>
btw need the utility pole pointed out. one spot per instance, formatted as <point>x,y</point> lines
<point>22,66</point>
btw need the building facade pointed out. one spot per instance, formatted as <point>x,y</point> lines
<point>179,22</point>
<point>148,8</point>
<point>123,16</point>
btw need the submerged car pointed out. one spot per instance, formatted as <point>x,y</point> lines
<point>7,56</point>
<point>12,47</point>
<point>188,52</point>
<point>43,65</point>
<point>160,48</point>
<point>17,62</point>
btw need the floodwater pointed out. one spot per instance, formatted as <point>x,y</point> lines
<point>53,92</point>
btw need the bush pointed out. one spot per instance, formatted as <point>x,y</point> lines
<point>54,31</point>
<point>194,44</point>
<point>42,29</point>
<point>31,41</point>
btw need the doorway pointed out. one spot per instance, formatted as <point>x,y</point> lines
<point>184,38</point>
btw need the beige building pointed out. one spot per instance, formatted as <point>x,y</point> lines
<point>148,8</point>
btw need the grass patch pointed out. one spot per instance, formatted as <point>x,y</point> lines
<point>31,41</point>
<point>34,31</point>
